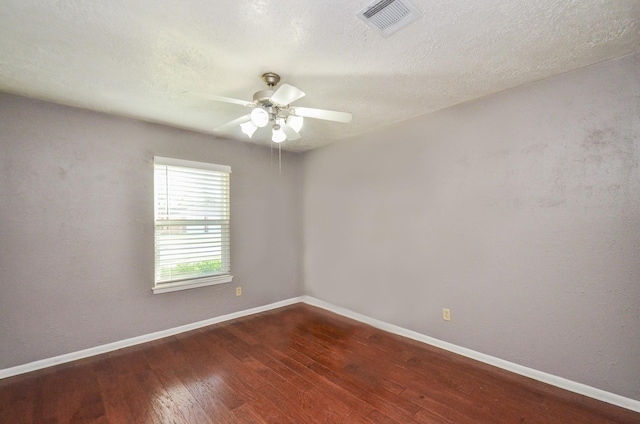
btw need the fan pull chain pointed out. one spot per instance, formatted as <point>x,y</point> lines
<point>279,158</point>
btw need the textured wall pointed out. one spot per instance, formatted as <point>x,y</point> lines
<point>520,212</point>
<point>76,229</point>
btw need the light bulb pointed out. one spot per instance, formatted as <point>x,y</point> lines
<point>278,136</point>
<point>248,128</point>
<point>259,117</point>
<point>295,122</point>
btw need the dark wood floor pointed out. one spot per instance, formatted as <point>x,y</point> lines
<point>297,364</point>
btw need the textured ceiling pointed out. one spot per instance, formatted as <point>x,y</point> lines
<point>147,58</point>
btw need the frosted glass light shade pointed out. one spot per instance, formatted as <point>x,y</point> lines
<point>278,136</point>
<point>295,122</point>
<point>259,117</point>
<point>248,128</point>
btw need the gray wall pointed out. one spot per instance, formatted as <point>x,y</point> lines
<point>520,212</point>
<point>76,229</point>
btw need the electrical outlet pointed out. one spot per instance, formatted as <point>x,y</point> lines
<point>238,291</point>
<point>446,314</point>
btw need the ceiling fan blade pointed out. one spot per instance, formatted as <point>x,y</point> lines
<point>328,115</point>
<point>290,133</point>
<point>227,99</point>
<point>230,125</point>
<point>286,94</point>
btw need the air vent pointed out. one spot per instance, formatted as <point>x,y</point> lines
<point>388,16</point>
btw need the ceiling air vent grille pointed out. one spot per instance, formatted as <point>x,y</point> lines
<point>388,16</point>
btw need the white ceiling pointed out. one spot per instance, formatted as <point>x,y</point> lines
<point>146,58</point>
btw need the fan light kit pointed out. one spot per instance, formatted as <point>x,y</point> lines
<point>248,128</point>
<point>259,117</point>
<point>272,107</point>
<point>278,135</point>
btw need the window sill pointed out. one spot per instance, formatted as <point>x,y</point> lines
<point>192,284</point>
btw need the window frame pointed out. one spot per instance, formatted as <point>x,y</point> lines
<point>194,282</point>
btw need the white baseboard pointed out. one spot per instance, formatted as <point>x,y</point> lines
<point>553,380</point>
<point>109,347</point>
<point>544,377</point>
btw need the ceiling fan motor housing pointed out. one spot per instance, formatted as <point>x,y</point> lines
<point>263,96</point>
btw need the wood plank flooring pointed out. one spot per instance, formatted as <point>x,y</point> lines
<point>297,364</point>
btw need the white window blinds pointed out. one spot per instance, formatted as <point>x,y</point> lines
<point>191,222</point>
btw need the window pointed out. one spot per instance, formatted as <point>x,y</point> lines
<point>192,242</point>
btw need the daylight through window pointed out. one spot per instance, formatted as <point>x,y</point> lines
<point>192,217</point>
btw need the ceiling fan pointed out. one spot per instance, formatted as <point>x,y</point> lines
<point>272,107</point>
